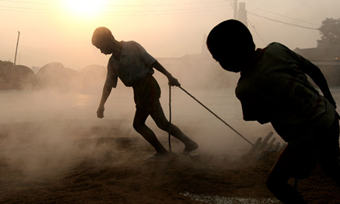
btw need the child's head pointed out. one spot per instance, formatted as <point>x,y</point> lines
<point>231,44</point>
<point>102,38</point>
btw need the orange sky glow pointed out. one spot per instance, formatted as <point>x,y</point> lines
<point>61,30</point>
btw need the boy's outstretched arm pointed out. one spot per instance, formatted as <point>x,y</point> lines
<point>172,80</point>
<point>317,76</point>
<point>106,93</point>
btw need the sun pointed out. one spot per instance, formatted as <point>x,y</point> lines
<point>85,8</point>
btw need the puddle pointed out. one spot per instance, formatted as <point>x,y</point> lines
<point>211,199</point>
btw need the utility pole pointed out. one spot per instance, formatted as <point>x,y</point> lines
<point>235,9</point>
<point>242,13</point>
<point>16,50</point>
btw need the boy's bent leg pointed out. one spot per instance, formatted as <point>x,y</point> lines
<point>277,182</point>
<point>161,121</point>
<point>329,150</point>
<point>146,132</point>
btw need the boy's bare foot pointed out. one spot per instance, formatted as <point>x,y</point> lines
<point>190,147</point>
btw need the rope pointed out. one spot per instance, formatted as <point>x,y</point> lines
<point>169,136</point>
<point>216,116</point>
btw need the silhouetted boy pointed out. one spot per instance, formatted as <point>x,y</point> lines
<point>273,88</point>
<point>134,66</point>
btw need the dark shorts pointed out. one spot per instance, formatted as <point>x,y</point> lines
<point>147,93</point>
<point>300,159</point>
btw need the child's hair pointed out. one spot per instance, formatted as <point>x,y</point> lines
<point>101,34</point>
<point>232,38</point>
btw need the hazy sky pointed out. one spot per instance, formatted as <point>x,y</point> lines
<point>61,30</point>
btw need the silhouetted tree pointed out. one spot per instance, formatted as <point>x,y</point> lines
<point>330,33</point>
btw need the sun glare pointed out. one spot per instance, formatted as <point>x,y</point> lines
<point>85,8</point>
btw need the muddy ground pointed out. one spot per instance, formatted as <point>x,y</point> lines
<point>101,164</point>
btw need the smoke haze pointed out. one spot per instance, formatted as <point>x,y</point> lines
<point>50,130</point>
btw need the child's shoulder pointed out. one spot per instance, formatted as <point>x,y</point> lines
<point>131,43</point>
<point>278,49</point>
<point>276,45</point>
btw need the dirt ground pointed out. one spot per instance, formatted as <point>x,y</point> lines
<point>111,168</point>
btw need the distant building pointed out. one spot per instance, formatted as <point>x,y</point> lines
<point>322,53</point>
<point>327,58</point>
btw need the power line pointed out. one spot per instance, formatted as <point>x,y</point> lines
<point>144,12</point>
<point>27,2</point>
<point>169,11</point>
<point>120,5</point>
<point>25,9</point>
<point>148,13</point>
<point>166,13</point>
<point>291,24</point>
<point>287,16</point>
<point>53,58</point>
<point>257,32</point>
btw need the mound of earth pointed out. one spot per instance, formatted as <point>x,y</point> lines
<point>55,75</point>
<point>16,77</point>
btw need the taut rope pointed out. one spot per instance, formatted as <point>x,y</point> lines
<point>217,116</point>
<point>169,136</point>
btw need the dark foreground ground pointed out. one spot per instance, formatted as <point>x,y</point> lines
<point>116,172</point>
